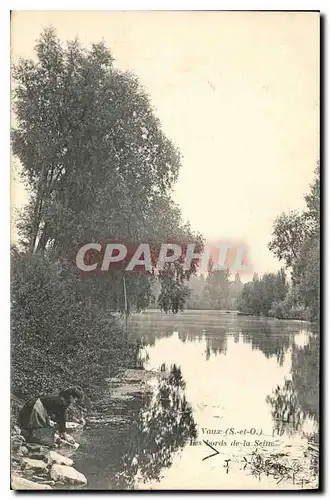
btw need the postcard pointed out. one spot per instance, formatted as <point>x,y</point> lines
<point>165,250</point>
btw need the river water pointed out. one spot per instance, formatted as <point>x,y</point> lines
<point>239,411</point>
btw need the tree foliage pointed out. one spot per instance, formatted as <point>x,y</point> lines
<point>214,291</point>
<point>296,241</point>
<point>260,295</point>
<point>56,340</point>
<point>93,153</point>
<point>96,163</point>
<point>97,166</point>
<point>289,232</point>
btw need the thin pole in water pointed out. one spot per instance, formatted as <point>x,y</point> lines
<point>126,308</point>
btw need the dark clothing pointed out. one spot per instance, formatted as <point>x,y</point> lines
<point>55,407</point>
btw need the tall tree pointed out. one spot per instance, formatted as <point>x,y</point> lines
<point>92,152</point>
<point>95,161</point>
<point>259,295</point>
<point>296,240</point>
<point>217,285</point>
<point>289,231</point>
<point>313,203</point>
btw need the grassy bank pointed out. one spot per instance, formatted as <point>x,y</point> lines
<point>60,335</point>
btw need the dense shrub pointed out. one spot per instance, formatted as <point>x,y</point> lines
<point>58,337</point>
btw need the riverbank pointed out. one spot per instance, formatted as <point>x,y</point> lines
<point>39,467</point>
<point>142,431</point>
<point>33,463</point>
<point>291,315</point>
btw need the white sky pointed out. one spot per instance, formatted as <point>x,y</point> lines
<point>237,92</point>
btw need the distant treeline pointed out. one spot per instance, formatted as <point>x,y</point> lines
<point>296,242</point>
<point>216,290</point>
<point>291,293</point>
<point>261,295</point>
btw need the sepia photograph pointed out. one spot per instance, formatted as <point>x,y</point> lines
<point>165,250</point>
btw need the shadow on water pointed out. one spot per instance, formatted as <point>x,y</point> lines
<point>161,429</point>
<point>297,401</point>
<point>298,398</point>
<point>141,450</point>
<point>272,337</point>
<point>135,441</point>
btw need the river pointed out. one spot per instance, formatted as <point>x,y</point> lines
<point>240,410</point>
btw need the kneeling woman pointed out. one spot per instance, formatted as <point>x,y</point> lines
<point>37,413</point>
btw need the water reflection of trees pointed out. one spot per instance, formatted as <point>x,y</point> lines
<point>149,337</point>
<point>305,376</point>
<point>216,344</point>
<point>269,341</point>
<point>216,339</point>
<point>297,400</point>
<point>190,336</point>
<point>299,396</point>
<point>286,412</point>
<point>161,429</point>
<point>271,337</point>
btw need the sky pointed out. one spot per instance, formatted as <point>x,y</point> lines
<point>238,94</point>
